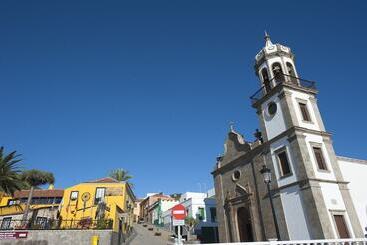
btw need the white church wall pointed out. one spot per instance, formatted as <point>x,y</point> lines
<point>297,225</point>
<point>273,149</point>
<point>274,124</point>
<point>296,96</point>
<point>319,174</point>
<point>334,203</point>
<point>355,172</point>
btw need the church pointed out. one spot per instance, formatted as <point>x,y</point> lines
<point>288,184</point>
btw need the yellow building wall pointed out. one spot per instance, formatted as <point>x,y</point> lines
<point>4,198</point>
<point>116,195</point>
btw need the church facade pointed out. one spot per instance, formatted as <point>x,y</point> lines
<point>316,194</point>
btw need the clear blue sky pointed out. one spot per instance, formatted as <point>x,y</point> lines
<point>151,86</point>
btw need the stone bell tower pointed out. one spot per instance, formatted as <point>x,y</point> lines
<point>307,182</point>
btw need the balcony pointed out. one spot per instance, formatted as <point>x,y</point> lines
<point>283,79</point>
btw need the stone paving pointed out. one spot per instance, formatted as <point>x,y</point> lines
<point>144,236</point>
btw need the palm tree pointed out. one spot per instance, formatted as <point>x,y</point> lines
<point>121,174</point>
<point>9,172</point>
<point>35,178</point>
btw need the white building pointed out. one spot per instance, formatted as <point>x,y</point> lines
<point>201,206</point>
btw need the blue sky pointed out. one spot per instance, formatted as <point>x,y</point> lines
<point>151,86</point>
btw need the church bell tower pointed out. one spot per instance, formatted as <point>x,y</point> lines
<point>307,181</point>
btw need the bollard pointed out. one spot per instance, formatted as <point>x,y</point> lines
<point>95,240</point>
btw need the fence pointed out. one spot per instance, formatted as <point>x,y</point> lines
<point>354,241</point>
<point>50,224</point>
<point>282,79</point>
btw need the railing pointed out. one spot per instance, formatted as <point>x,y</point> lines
<point>51,224</point>
<point>353,241</point>
<point>282,79</point>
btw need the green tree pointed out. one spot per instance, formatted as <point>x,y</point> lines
<point>34,178</point>
<point>190,224</point>
<point>9,172</point>
<point>121,174</point>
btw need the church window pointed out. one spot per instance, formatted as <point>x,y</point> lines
<point>319,158</point>
<point>284,164</point>
<point>236,175</point>
<point>304,111</point>
<point>278,72</point>
<point>341,226</point>
<point>272,108</point>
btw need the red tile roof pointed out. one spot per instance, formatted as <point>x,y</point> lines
<point>104,180</point>
<point>39,193</point>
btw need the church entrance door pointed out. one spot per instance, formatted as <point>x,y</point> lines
<point>244,225</point>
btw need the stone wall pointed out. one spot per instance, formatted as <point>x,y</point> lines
<point>64,237</point>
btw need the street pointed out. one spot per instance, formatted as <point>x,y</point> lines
<point>144,236</point>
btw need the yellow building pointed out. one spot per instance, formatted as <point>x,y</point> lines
<point>102,203</point>
<point>42,213</point>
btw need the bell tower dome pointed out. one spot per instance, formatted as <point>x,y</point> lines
<point>274,63</point>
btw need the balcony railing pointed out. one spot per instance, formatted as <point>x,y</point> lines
<point>282,79</point>
<point>52,224</point>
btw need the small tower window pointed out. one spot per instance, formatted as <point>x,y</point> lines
<point>319,158</point>
<point>284,164</point>
<point>278,72</point>
<point>266,81</point>
<point>304,111</point>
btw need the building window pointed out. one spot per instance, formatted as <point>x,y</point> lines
<point>200,214</point>
<point>100,193</point>
<point>213,214</point>
<point>304,111</point>
<point>74,195</point>
<point>41,222</point>
<point>5,224</point>
<point>319,158</point>
<point>284,164</point>
<point>341,226</point>
<point>12,202</point>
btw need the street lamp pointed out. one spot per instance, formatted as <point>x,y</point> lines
<point>266,173</point>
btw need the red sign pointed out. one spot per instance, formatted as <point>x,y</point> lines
<point>13,235</point>
<point>179,212</point>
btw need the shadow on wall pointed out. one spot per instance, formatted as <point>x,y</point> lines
<point>39,242</point>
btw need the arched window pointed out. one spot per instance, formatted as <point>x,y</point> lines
<point>266,81</point>
<point>291,73</point>
<point>278,72</point>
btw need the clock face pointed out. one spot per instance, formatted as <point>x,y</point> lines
<point>272,108</point>
<point>85,196</point>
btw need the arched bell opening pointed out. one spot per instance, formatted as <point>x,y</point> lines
<point>292,73</point>
<point>266,80</point>
<point>278,72</point>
